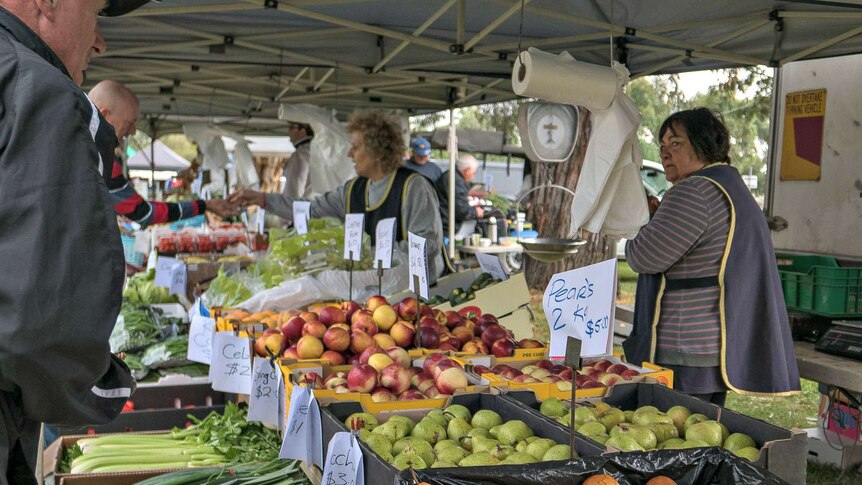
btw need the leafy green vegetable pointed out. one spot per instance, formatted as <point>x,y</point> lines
<point>141,290</point>
<point>170,353</point>
<point>65,465</point>
<point>135,330</point>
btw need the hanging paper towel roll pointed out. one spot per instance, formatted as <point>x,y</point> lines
<point>561,79</point>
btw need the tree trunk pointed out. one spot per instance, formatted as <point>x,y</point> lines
<point>550,211</point>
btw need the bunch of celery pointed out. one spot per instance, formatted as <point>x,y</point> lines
<point>123,452</point>
<point>276,472</point>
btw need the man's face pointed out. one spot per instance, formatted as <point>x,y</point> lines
<point>71,31</point>
<point>295,132</point>
<point>420,159</point>
<point>124,118</point>
<point>469,174</point>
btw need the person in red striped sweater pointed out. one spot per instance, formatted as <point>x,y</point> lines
<point>709,303</point>
<point>121,108</point>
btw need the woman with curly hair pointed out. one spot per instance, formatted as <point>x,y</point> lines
<point>382,188</point>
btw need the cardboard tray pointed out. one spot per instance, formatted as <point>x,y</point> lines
<point>378,471</point>
<point>783,452</point>
<point>499,299</point>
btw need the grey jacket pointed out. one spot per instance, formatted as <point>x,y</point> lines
<point>61,259</point>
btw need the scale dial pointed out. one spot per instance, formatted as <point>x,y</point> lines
<point>551,129</point>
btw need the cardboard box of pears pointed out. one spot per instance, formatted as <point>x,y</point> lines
<point>641,416</point>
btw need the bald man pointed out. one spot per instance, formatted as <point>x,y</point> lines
<point>466,168</point>
<point>121,108</point>
<point>61,259</point>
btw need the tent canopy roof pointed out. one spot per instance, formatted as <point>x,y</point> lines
<point>238,60</point>
<point>165,159</point>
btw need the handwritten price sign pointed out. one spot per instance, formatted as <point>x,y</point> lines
<point>343,461</point>
<point>201,339</point>
<point>303,434</point>
<point>301,214</point>
<point>230,370</point>
<point>580,303</point>
<point>384,235</point>
<point>266,392</point>
<point>418,265</point>
<point>354,225</point>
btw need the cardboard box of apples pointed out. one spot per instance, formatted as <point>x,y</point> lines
<point>641,416</point>
<point>479,429</point>
<point>548,378</point>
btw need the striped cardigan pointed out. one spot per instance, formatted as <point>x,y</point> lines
<point>686,239</point>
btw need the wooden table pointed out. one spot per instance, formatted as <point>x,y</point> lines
<point>827,368</point>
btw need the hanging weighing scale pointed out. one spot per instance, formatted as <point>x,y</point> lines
<point>549,134</point>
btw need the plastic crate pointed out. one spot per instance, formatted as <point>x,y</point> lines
<point>816,284</point>
<point>133,257</point>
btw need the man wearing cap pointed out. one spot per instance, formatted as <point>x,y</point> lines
<point>466,168</point>
<point>61,259</point>
<point>298,185</point>
<point>421,160</point>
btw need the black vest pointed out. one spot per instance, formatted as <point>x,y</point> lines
<point>389,206</point>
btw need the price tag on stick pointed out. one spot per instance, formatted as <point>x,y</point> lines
<point>492,265</point>
<point>573,359</point>
<point>384,238</point>
<point>418,265</point>
<point>201,339</point>
<point>178,279</point>
<point>581,303</point>
<point>265,387</point>
<point>354,225</point>
<point>301,214</point>
<point>164,271</point>
<point>303,433</point>
<point>230,370</point>
<point>343,461</point>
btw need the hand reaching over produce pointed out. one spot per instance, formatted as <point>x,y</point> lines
<point>245,198</point>
<point>222,208</point>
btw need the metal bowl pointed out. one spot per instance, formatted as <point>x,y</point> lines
<point>551,250</point>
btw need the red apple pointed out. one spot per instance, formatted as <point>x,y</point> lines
<point>353,359</point>
<point>308,316</point>
<point>463,334</point>
<point>374,302</point>
<point>359,341</point>
<point>416,380</point>
<point>566,374</point>
<point>581,379</point>
<point>492,334</point>
<point>384,317</point>
<point>511,373</point>
<point>334,380</point>
<point>439,316</point>
<point>557,368</point>
<point>454,341</point>
<point>411,395</point>
<point>427,338</point>
<point>497,369</point>
<point>444,364</point>
<point>330,315</point>
<point>309,347</point>
<point>336,339</point>
<point>629,373</point>
<point>362,378</point>
<point>414,371</point>
<point>381,394</point>
<point>451,379</point>
<point>408,309</point>
<point>274,343</point>
<point>315,328</point>
<point>602,365</point>
<point>431,361</point>
<point>425,311</point>
<point>333,357</point>
<point>349,308</point>
<point>290,353</point>
<point>554,378</point>
<point>526,379</point>
<point>292,329</point>
<point>504,347</point>
<point>364,320</point>
<point>470,312</point>
<point>610,379</point>
<point>528,343</point>
<point>399,356</point>
<point>368,352</point>
<point>311,379</point>
<point>395,377</point>
<point>480,369</point>
<point>453,319</point>
<point>434,393</point>
<point>592,384</point>
<point>402,334</point>
<point>384,340</point>
<point>487,317</point>
<point>545,364</point>
<point>617,369</point>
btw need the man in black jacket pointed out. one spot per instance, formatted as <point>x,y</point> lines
<point>465,171</point>
<point>61,259</point>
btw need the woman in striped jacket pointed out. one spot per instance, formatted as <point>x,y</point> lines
<point>709,303</point>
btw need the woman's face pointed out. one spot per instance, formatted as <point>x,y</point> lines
<point>364,164</point>
<point>677,155</point>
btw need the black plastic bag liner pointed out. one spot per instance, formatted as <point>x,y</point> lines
<point>696,466</point>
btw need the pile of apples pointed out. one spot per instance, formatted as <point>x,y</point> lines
<point>341,334</point>
<point>388,376</point>
<point>603,373</point>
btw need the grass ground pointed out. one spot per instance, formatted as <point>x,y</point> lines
<point>798,411</point>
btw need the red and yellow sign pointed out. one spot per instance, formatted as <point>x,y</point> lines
<point>802,146</point>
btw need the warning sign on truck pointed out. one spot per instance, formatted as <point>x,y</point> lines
<point>802,146</point>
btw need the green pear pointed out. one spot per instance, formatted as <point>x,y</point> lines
<point>539,447</point>
<point>647,409</point>
<point>624,443</point>
<point>693,419</point>
<point>429,430</point>
<point>724,432</point>
<point>565,420</point>
<point>438,416</point>
<point>647,419</point>
<point>738,441</point>
<point>600,407</point>
<point>414,446</point>
<point>485,418</point>
<point>403,461</point>
<point>553,407</point>
<point>558,452</point>
<point>628,415</point>
<point>445,444</point>
<point>750,453</point>
<point>380,444</point>
<point>679,414</point>
<point>694,444</point>
<point>369,422</point>
<point>479,432</point>
<point>443,464</point>
<point>364,433</point>
<point>402,419</point>
<point>500,452</point>
<point>582,415</point>
<point>611,418</point>
<point>672,444</point>
<point>707,431</point>
<point>531,439</point>
<point>479,459</point>
<point>494,431</point>
<point>593,428</point>
<point>513,431</point>
<point>387,457</point>
<point>458,428</point>
<point>521,446</point>
<point>519,458</point>
<point>601,438</point>
<point>452,454</point>
<point>392,430</point>
<point>643,435</point>
<point>467,442</point>
<point>457,411</point>
<point>664,431</point>
<point>481,444</point>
